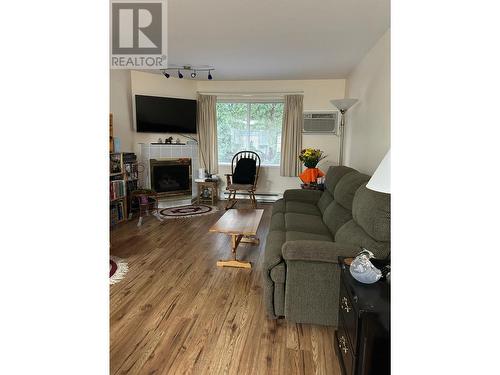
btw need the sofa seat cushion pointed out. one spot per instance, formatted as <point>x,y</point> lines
<point>295,236</point>
<point>272,255</point>
<point>305,223</point>
<point>302,208</point>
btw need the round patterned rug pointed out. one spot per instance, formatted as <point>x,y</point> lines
<point>187,211</point>
<point>117,269</point>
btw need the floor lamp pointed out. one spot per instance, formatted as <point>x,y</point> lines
<point>381,179</point>
<point>342,105</point>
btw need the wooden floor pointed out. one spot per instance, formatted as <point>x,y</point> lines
<point>177,313</point>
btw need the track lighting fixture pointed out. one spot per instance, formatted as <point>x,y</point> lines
<point>192,70</point>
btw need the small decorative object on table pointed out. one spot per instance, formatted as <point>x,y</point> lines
<point>169,140</point>
<point>311,157</point>
<point>365,268</point>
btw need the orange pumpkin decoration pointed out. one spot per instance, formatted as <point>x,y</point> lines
<point>311,175</point>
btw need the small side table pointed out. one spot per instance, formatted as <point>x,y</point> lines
<point>320,187</point>
<point>212,186</point>
<point>363,338</point>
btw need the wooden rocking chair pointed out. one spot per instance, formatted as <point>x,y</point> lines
<point>245,168</point>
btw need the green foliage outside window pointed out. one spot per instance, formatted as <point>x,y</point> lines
<point>250,126</point>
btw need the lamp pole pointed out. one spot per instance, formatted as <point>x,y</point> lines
<point>342,126</point>
<point>342,105</point>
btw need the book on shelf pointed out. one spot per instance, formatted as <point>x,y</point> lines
<point>117,212</point>
<point>117,189</point>
<point>115,163</point>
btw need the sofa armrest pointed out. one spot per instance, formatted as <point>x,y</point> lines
<point>317,251</point>
<point>309,196</point>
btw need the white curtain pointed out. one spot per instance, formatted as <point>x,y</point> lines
<point>207,132</point>
<point>291,136</point>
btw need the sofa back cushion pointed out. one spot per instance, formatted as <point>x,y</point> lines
<point>324,201</point>
<point>335,216</point>
<point>347,187</point>
<point>334,175</point>
<point>339,210</point>
<point>371,210</point>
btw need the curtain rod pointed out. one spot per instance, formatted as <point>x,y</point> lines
<point>249,93</point>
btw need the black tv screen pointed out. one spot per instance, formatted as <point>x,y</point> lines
<point>154,114</point>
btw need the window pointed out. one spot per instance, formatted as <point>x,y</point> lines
<point>249,126</point>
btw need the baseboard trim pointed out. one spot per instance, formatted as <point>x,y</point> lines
<point>261,197</point>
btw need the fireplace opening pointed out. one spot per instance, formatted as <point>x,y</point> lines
<point>171,176</point>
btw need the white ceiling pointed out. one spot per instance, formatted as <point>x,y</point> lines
<point>275,39</point>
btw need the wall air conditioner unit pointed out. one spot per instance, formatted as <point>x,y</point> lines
<point>321,122</point>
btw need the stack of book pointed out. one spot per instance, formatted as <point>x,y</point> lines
<point>117,212</point>
<point>116,189</point>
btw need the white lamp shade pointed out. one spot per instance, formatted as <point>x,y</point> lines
<point>344,104</point>
<point>381,179</point>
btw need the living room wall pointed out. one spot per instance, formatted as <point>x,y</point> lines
<point>317,96</point>
<point>368,129</point>
<point>120,105</point>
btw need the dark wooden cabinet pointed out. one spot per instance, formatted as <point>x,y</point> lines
<point>362,339</point>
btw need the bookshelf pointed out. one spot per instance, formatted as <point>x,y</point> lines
<point>131,169</point>
<point>117,189</point>
<point>123,179</point>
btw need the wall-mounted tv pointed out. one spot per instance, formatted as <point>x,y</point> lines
<point>154,114</point>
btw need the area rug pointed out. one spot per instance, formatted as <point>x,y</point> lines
<point>117,269</point>
<point>187,211</point>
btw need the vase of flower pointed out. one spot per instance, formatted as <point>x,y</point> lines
<point>311,157</point>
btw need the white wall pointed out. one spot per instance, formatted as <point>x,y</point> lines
<point>317,96</point>
<point>120,106</point>
<point>368,126</point>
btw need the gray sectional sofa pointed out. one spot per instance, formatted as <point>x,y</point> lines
<point>309,230</point>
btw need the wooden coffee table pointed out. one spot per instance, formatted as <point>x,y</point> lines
<point>241,225</point>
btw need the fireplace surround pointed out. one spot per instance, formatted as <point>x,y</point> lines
<point>161,152</point>
<point>171,177</point>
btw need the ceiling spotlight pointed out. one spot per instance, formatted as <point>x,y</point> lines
<point>180,74</point>
<point>209,75</point>
<point>193,74</point>
<point>165,73</point>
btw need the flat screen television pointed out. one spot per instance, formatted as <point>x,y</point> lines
<point>154,114</point>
